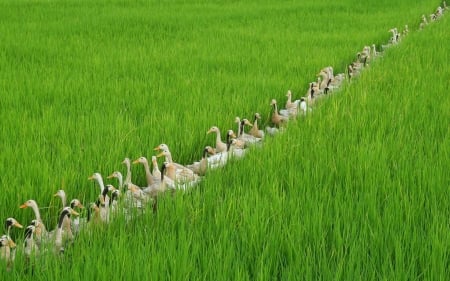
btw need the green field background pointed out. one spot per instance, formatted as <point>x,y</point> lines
<point>358,190</point>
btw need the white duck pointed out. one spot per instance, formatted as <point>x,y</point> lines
<point>59,239</point>
<point>41,231</point>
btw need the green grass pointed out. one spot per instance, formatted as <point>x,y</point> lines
<point>358,190</point>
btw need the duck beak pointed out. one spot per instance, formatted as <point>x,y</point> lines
<point>80,206</point>
<point>136,161</point>
<point>110,176</point>
<point>160,155</point>
<point>56,194</point>
<point>18,225</point>
<point>23,206</point>
<point>157,148</point>
<point>74,212</point>
<point>209,131</point>
<point>91,178</point>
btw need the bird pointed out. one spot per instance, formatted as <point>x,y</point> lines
<point>103,198</point>
<point>218,160</point>
<point>70,227</point>
<point>255,131</point>
<point>201,166</point>
<point>127,163</point>
<point>10,249</point>
<point>60,241</point>
<point>220,145</point>
<point>119,177</point>
<point>62,195</point>
<point>272,131</point>
<point>160,187</point>
<point>29,246</point>
<point>375,53</point>
<point>148,175</point>
<point>303,106</point>
<point>41,231</point>
<point>7,247</point>
<point>115,194</point>
<point>99,179</point>
<point>76,223</point>
<point>155,171</point>
<point>184,174</point>
<point>277,119</point>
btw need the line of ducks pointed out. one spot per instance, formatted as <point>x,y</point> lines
<point>173,176</point>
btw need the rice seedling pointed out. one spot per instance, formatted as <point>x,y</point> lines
<point>356,190</point>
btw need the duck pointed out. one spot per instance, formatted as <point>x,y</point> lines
<point>6,251</point>
<point>277,119</point>
<point>218,160</point>
<point>41,231</point>
<point>93,214</point>
<point>60,241</point>
<point>99,179</point>
<point>272,131</point>
<point>75,203</point>
<point>76,222</point>
<point>129,201</point>
<point>312,93</point>
<point>155,171</point>
<point>176,179</point>
<point>117,175</point>
<point>239,142</point>
<point>247,138</point>
<point>201,166</point>
<point>70,227</point>
<point>140,198</point>
<point>127,163</point>
<point>10,251</point>
<point>29,246</point>
<point>148,175</point>
<point>375,53</point>
<point>104,205</point>
<point>184,174</point>
<point>115,194</point>
<point>9,224</point>
<point>289,104</point>
<point>62,195</point>
<point>160,187</point>
<point>255,131</point>
<point>220,145</point>
<point>235,151</point>
<point>303,106</point>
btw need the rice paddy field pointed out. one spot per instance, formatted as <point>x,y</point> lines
<point>357,190</point>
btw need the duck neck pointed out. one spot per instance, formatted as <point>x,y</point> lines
<point>120,179</point>
<point>171,172</point>
<point>168,157</point>
<point>37,214</point>
<point>63,199</point>
<point>100,183</point>
<point>128,176</point>
<point>148,174</point>
<point>218,138</point>
<point>241,129</point>
<point>228,142</point>
<point>275,109</point>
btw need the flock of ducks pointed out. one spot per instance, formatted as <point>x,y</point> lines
<point>173,176</point>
